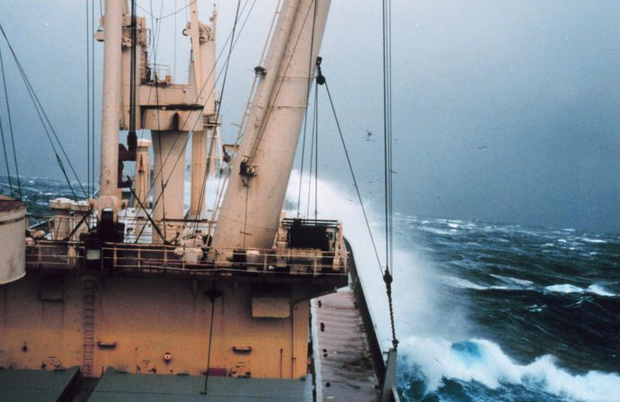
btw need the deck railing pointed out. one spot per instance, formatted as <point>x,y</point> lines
<point>169,259</point>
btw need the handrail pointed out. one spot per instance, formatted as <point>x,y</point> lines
<point>163,258</point>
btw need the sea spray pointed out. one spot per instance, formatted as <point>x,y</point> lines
<point>484,362</point>
<point>437,346</point>
<point>439,361</point>
<point>417,306</point>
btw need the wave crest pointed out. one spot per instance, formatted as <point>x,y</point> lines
<point>483,361</point>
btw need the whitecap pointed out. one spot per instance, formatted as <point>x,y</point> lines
<point>462,283</point>
<point>436,231</point>
<point>596,241</point>
<point>599,290</point>
<point>564,288</point>
<point>514,281</point>
<point>484,361</point>
<point>535,308</point>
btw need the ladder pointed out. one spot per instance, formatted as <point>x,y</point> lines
<point>88,327</point>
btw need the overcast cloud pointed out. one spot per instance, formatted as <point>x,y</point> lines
<point>503,110</point>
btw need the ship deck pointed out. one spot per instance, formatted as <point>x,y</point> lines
<point>117,386</point>
<point>37,385</point>
<point>343,362</point>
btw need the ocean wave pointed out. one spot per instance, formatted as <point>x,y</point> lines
<point>521,283</point>
<point>483,361</point>
<point>595,241</point>
<point>568,288</point>
<point>514,284</point>
<point>599,290</point>
<point>462,283</point>
<point>564,288</point>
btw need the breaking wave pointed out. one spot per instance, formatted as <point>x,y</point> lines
<point>432,328</point>
<point>483,361</point>
<point>567,288</point>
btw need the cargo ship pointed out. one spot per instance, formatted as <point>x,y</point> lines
<point>127,295</point>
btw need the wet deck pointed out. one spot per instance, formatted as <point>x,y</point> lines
<point>342,357</point>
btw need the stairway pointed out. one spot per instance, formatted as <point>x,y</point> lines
<point>88,327</point>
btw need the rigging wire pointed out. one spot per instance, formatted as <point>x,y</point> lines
<point>355,183</point>
<point>45,121</point>
<point>92,101</point>
<point>198,119</point>
<point>161,17</point>
<point>6,160</point>
<point>387,276</point>
<point>303,147</point>
<point>316,154</point>
<point>224,175</point>
<point>198,96</point>
<point>88,161</point>
<point>219,107</point>
<point>388,154</point>
<point>312,150</point>
<point>132,73</point>
<point>256,145</point>
<point>47,125</point>
<point>8,109</point>
<point>213,294</point>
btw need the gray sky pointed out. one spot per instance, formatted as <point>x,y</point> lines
<point>503,110</point>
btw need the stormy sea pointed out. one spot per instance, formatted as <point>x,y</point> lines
<point>484,311</point>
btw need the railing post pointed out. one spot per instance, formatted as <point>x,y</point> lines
<point>388,389</point>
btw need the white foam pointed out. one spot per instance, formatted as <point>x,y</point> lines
<point>567,288</point>
<point>564,288</point>
<point>416,299</point>
<point>462,283</point>
<point>520,283</point>
<point>484,361</point>
<point>600,290</point>
<point>595,241</point>
<point>417,303</point>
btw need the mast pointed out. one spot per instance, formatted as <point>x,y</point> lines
<point>113,25</point>
<point>251,207</point>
